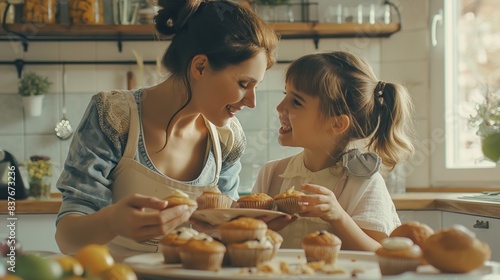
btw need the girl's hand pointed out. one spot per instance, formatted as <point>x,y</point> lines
<point>129,217</point>
<point>322,203</point>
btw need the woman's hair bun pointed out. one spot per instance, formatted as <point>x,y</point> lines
<point>173,14</point>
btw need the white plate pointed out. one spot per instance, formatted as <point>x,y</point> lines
<point>218,216</point>
<point>365,264</point>
<point>152,266</point>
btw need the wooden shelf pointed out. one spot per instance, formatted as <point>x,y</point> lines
<point>66,32</point>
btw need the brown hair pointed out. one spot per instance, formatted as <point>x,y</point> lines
<point>346,85</point>
<point>226,32</point>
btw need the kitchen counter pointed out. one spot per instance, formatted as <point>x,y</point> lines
<point>406,201</point>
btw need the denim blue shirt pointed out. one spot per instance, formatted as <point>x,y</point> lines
<point>96,149</point>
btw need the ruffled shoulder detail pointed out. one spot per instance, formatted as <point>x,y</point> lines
<point>232,140</point>
<point>114,115</point>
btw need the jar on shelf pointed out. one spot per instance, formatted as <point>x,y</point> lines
<point>40,11</point>
<point>40,176</point>
<point>86,11</point>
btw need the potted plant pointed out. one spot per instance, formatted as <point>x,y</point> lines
<point>487,122</point>
<point>32,87</point>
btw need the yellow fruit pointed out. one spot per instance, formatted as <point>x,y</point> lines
<point>94,258</point>
<point>118,272</point>
<point>70,266</point>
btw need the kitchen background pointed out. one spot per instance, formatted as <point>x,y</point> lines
<point>404,57</point>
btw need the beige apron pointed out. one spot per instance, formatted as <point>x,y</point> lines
<point>130,177</point>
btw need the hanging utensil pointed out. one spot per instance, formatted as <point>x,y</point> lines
<point>63,129</point>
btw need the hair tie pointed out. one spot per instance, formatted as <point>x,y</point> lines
<point>170,22</point>
<point>379,92</point>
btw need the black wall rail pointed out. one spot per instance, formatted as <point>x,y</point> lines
<point>20,63</point>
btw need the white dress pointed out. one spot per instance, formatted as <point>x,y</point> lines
<point>364,198</point>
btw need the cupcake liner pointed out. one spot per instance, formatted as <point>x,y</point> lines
<point>392,266</point>
<point>328,254</point>
<point>241,235</point>
<point>288,205</point>
<point>257,204</point>
<point>201,261</point>
<point>170,254</point>
<point>240,257</point>
<point>215,201</point>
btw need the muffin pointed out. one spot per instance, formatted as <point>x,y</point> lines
<point>202,254</point>
<point>456,250</point>
<point>179,198</point>
<point>398,255</point>
<point>276,239</point>
<point>417,232</point>
<point>214,199</point>
<point>287,201</point>
<point>256,201</point>
<point>242,229</point>
<point>170,243</point>
<point>250,253</point>
<point>321,246</point>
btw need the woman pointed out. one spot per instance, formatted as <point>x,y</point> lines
<point>132,150</point>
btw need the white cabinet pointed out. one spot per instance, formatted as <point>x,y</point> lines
<point>35,232</point>
<point>432,218</point>
<point>486,229</point>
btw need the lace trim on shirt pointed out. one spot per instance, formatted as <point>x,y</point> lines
<point>113,111</point>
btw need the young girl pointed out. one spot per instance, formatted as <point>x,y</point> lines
<point>331,100</point>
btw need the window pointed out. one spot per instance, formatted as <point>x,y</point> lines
<point>464,62</point>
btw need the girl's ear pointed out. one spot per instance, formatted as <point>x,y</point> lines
<point>340,124</point>
<point>198,64</point>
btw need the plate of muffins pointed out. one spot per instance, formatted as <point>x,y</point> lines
<point>215,208</point>
<point>247,249</point>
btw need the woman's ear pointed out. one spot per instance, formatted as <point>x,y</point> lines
<point>198,64</point>
<point>340,124</point>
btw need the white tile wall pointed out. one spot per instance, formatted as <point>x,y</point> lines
<point>403,57</point>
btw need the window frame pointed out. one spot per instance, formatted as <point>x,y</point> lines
<point>441,82</point>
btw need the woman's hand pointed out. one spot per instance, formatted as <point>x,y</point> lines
<point>280,222</point>
<point>322,203</point>
<point>141,217</point>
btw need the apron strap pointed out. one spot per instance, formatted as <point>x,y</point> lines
<point>276,180</point>
<point>133,131</point>
<point>217,149</point>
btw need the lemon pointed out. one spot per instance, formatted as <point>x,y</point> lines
<point>118,272</point>
<point>95,259</point>
<point>491,147</point>
<point>70,266</point>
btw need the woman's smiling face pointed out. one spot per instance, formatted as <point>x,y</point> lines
<point>220,94</point>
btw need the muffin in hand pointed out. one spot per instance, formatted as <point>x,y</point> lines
<point>288,202</point>
<point>180,198</point>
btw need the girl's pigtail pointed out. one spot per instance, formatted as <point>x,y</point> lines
<point>392,139</point>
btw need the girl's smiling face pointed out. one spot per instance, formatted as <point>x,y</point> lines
<point>302,123</point>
